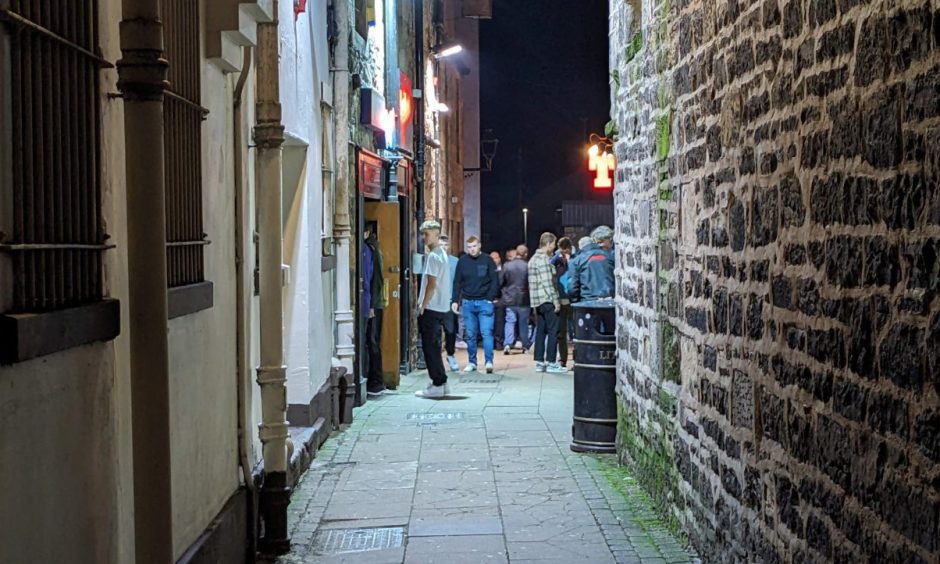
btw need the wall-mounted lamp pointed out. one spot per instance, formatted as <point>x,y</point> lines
<point>442,51</point>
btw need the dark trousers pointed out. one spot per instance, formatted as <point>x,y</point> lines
<point>546,333</point>
<point>499,325</point>
<point>430,325</point>
<point>450,332</point>
<point>374,351</point>
<point>564,320</point>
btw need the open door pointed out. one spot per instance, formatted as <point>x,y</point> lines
<point>387,216</point>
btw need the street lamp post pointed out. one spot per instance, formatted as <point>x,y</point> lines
<point>525,226</point>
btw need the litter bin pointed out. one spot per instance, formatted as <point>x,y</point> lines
<point>595,377</point>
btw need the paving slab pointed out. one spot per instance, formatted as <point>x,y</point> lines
<point>483,476</point>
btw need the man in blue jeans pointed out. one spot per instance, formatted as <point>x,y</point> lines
<point>476,286</point>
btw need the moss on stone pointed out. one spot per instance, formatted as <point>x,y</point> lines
<point>671,356</point>
<point>663,131</point>
<point>634,47</point>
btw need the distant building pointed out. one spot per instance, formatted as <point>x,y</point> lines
<point>579,218</point>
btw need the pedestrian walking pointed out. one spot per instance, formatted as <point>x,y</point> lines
<point>373,304</point>
<point>565,322</point>
<point>592,270</point>
<point>543,289</point>
<point>515,296</point>
<point>451,326</point>
<point>476,286</point>
<point>433,305</point>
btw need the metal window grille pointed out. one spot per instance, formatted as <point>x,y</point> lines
<point>183,116</point>
<point>58,235</point>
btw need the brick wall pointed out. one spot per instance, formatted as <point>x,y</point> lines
<point>778,231</point>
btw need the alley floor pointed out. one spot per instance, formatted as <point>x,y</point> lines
<point>485,475</point>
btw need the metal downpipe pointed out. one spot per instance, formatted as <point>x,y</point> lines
<point>345,349</point>
<point>142,73</point>
<point>242,300</point>
<point>272,373</point>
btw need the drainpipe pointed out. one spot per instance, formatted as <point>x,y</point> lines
<point>272,374</point>
<point>243,296</point>
<point>345,349</point>
<point>142,73</point>
<point>419,119</point>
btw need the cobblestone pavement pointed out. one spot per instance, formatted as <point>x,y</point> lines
<point>483,476</point>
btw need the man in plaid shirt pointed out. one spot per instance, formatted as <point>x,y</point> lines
<point>543,294</point>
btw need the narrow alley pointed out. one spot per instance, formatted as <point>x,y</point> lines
<point>485,475</point>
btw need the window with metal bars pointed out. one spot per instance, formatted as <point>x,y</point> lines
<point>52,236</point>
<point>183,115</point>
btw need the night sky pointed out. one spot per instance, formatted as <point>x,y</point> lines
<point>544,87</point>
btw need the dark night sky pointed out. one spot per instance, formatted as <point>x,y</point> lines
<point>544,85</point>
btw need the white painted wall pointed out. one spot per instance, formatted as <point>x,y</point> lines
<point>308,304</point>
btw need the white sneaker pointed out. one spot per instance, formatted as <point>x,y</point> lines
<point>506,349</point>
<point>540,366</point>
<point>556,368</point>
<point>432,391</point>
<point>446,389</point>
<point>489,367</point>
<point>454,367</point>
<point>470,368</point>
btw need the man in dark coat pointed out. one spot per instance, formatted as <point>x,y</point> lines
<point>514,291</point>
<point>373,304</point>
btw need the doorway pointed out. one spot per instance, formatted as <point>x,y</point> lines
<point>387,217</point>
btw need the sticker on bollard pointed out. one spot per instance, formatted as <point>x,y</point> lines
<point>595,377</point>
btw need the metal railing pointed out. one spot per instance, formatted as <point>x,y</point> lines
<point>183,116</point>
<point>58,235</point>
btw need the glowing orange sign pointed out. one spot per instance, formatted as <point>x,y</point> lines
<point>406,114</point>
<point>604,163</point>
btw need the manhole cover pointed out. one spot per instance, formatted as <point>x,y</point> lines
<point>433,417</point>
<point>340,541</point>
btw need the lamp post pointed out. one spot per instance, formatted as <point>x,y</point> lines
<point>525,226</point>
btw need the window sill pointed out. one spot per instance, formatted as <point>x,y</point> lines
<point>184,300</point>
<point>26,336</point>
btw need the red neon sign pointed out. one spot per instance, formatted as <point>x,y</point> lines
<point>604,164</point>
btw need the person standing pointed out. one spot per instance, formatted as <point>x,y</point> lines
<point>592,270</point>
<point>451,326</point>
<point>433,305</point>
<point>476,286</point>
<point>499,321</point>
<point>546,301</point>
<point>515,296</point>
<point>373,304</point>
<point>565,321</point>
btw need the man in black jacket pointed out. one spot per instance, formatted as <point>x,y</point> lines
<point>373,303</point>
<point>476,286</point>
<point>515,296</point>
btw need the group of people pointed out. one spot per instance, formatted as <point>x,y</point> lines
<point>482,287</point>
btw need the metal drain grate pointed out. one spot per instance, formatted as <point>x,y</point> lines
<point>479,380</point>
<point>341,541</point>
<point>443,416</point>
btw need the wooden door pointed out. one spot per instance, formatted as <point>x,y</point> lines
<point>386,215</point>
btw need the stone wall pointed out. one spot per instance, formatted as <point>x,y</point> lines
<point>778,231</point>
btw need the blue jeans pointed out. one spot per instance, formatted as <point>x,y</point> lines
<point>478,317</point>
<point>517,317</point>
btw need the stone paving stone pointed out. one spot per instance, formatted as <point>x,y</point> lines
<point>488,478</point>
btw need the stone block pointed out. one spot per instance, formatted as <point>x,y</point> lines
<point>900,359</point>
